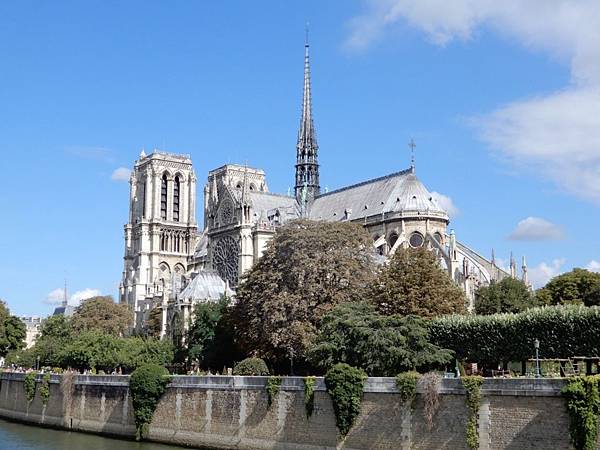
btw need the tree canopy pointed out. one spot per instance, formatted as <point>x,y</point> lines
<point>356,334</point>
<point>413,283</point>
<point>505,296</point>
<point>12,331</point>
<point>102,314</point>
<point>579,286</point>
<point>307,268</point>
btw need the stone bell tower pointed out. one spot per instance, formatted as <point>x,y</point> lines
<point>161,233</point>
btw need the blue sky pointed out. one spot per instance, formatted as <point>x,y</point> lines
<point>502,101</point>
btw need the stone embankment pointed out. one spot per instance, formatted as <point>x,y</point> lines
<point>233,413</point>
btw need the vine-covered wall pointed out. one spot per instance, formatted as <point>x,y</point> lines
<point>234,413</point>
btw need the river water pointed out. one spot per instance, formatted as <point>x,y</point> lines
<point>15,436</point>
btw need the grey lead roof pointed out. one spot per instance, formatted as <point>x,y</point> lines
<point>265,204</point>
<point>205,286</point>
<point>400,192</point>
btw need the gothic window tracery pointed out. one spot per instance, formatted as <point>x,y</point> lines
<point>176,192</point>
<point>225,259</point>
<point>416,239</point>
<point>163,197</point>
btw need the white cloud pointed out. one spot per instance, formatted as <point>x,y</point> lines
<point>536,229</point>
<point>121,174</point>
<point>593,266</point>
<point>543,272</point>
<point>57,296</point>
<point>445,203</point>
<point>558,134</point>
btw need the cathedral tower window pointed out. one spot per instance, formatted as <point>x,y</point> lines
<point>143,197</point>
<point>163,197</point>
<point>176,190</point>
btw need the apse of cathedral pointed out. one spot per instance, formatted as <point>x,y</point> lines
<point>171,265</point>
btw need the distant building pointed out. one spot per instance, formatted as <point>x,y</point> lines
<point>33,325</point>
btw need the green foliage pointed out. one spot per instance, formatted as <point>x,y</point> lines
<point>273,386</point>
<point>56,333</point>
<point>147,384</point>
<point>12,331</point>
<point>307,268</point>
<point>251,367</point>
<point>563,331</point>
<point>345,386</point>
<point>414,283</point>
<point>579,286</point>
<point>583,406</point>
<point>356,334</point>
<point>29,385</point>
<point>103,315</point>
<point>509,295</point>
<point>309,395</point>
<point>472,385</point>
<point>24,357</point>
<point>154,323</point>
<point>406,382</point>
<point>45,388</point>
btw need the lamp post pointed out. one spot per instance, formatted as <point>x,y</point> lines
<point>536,344</point>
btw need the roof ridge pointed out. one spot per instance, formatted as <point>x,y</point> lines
<point>362,183</point>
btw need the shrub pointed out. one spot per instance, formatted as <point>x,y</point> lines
<point>251,367</point>
<point>345,385</point>
<point>45,388</point>
<point>406,383</point>
<point>147,384</point>
<point>472,385</point>
<point>309,395</point>
<point>273,386</point>
<point>29,385</point>
<point>583,406</point>
<point>563,331</point>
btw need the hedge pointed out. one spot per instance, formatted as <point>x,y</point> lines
<point>563,331</point>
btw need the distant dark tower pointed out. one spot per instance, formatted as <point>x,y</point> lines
<point>307,167</point>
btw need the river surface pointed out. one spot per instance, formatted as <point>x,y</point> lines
<point>15,436</point>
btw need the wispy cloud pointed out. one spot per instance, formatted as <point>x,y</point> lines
<point>543,272</point>
<point>121,174</point>
<point>446,203</point>
<point>557,135</point>
<point>593,266</point>
<point>536,229</point>
<point>95,153</point>
<point>57,296</point>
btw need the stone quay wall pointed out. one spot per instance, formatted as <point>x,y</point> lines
<point>223,412</point>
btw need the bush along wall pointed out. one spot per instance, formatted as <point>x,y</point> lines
<point>583,406</point>
<point>563,331</point>
<point>345,386</point>
<point>472,385</point>
<point>406,383</point>
<point>29,385</point>
<point>273,387</point>
<point>309,395</point>
<point>147,384</point>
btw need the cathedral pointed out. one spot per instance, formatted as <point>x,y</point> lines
<point>170,265</point>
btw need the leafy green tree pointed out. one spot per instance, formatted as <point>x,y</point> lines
<point>93,350</point>
<point>356,334</point>
<point>505,296</point>
<point>307,268</point>
<point>55,334</point>
<point>579,286</point>
<point>137,351</point>
<point>12,331</point>
<point>102,314</point>
<point>154,323</point>
<point>413,283</point>
<point>24,357</point>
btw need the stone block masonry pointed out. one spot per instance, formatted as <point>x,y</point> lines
<point>222,412</point>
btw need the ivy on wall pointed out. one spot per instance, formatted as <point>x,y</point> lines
<point>406,383</point>
<point>472,385</point>
<point>345,386</point>
<point>273,387</point>
<point>583,406</point>
<point>147,384</point>
<point>45,388</point>
<point>29,385</point>
<point>309,395</point>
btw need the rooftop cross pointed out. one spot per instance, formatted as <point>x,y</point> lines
<point>412,146</point>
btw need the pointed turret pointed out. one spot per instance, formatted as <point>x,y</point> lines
<point>307,167</point>
<point>525,275</point>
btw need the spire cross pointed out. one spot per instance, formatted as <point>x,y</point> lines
<point>412,146</point>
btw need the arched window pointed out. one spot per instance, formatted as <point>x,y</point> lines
<point>392,239</point>
<point>142,197</point>
<point>416,239</point>
<point>163,197</point>
<point>176,187</point>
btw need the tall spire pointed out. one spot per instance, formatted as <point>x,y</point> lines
<point>307,167</point>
